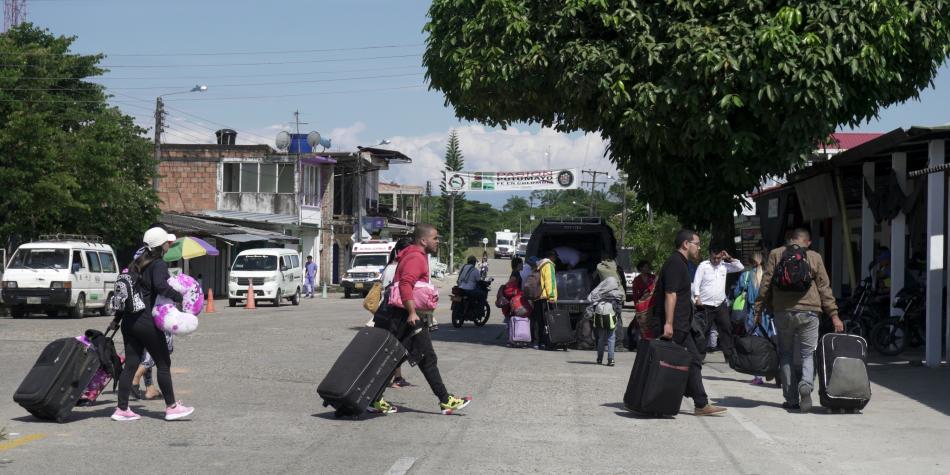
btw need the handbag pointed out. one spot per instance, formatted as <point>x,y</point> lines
<point>373,298</point>
<point>424,295</point>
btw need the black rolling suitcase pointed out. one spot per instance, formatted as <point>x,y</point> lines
<point>59,376</point>
<point>843,381</point>
<point>557,325</point>
<point>658,379</point>
<point>362,371</point>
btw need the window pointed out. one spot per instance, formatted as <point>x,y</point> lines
<point>248,178</point>
<point>268,177</point>
<point>285,178</point>
<point>77,261</point>
<point>232,177</point>
<point>40,259</point>
<point>108,262</point>
<point>285,262</point>
<point>93,259</point>
<point>296,261</point>
<point>255,263</point>
<point>311,185</point>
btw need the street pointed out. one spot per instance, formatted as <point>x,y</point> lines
<point>252,377</point>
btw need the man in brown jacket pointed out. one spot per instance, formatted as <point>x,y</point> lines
<point>796,320</point>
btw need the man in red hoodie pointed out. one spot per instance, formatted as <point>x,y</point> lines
<point>414,267</point>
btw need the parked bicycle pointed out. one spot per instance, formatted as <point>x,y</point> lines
<point>893,335</point>
<point>860,311</point>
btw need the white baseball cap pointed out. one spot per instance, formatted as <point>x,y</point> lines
<point>172,238</point>
<point>155,237</point>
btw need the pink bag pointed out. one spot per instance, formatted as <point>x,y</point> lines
<point>424,295</point>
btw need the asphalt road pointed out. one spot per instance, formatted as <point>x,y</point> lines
<point>252,375</point>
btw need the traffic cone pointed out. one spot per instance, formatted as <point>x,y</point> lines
<point>210,307</point>
<point>249,304</point>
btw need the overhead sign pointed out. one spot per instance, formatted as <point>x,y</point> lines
<point>561,179</point>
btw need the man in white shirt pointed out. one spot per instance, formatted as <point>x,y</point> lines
<point>709,291</point>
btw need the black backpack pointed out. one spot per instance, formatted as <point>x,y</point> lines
<point>792,273</point>
<point>127,296</point>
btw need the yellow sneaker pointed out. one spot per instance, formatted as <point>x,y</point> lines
<point>454,404</point>
<point>381,407</point>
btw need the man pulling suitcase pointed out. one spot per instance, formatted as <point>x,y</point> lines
<point>413,267</point>
<point>672,315</point>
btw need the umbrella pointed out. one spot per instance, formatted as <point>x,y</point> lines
<point>189,248</point>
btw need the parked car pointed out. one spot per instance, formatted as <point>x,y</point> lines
<point>276,274</point>
<point>62,273</point>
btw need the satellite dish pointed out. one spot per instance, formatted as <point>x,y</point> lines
<point>313,138</point>
<point>283,140</point>
<point>325,143</point>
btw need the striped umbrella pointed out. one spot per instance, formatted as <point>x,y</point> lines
<point>189,248</point>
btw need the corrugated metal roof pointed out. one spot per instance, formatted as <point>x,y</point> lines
<point>252,217</point>
<point>186,225</point>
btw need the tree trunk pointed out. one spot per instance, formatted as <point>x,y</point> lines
<point>724,233</point>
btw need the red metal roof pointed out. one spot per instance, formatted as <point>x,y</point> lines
<point>848,140</point>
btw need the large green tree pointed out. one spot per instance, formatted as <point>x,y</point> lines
<point>69,163</point>
<point>699,100</point>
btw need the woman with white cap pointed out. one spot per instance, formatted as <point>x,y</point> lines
<point>140,333</point>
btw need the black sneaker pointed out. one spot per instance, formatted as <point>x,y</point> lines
<point>610,362</point>
<point>600,361</point>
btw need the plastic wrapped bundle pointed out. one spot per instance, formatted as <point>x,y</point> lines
<point>179,322</point>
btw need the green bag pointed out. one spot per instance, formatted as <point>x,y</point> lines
<point>739,304</point>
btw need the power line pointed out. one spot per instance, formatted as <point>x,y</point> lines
<point>214,65</point>
<point>176,87</point>
<point>226,76</point>
<point>306,94</point>
<point>220,53</point>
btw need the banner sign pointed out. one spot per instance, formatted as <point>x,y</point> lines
<point>562,179</point>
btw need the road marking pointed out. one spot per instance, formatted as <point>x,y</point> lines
<point>748,425</point>
<point>401,467</point>
<point>12,444</point>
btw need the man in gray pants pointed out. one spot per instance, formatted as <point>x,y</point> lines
<point>797,313</point>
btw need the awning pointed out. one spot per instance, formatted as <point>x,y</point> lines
<point>241,237</point>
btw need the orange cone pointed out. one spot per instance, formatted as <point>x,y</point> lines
<point>249,304</point>
<point>210,307</point>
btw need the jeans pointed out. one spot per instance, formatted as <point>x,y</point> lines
<point>606,337</point>
<point>694,386</point>
<point>796,327</point>
<point>308,286</point>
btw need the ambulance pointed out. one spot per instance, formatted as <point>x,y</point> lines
<point>369,260</point>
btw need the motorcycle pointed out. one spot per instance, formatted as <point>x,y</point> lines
<point>465,308</point>
<point>892,336</point>
<point>860,312</point>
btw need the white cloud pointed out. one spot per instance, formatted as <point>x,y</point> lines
<point>484,149</point>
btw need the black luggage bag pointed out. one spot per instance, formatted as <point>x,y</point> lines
<point>658,379</point>
<point>755,355</point>
<point>557,323</point>
<point>843,381</point>
<point>362,371</point>
<point>59,376</point>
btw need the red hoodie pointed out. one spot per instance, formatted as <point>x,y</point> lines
<point>413,266</point>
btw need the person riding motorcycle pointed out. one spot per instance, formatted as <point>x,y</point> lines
<point>469,276</point>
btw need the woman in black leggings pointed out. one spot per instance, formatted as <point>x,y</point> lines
<point>140,333</point>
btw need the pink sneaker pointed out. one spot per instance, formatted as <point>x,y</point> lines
<point>178,411</point>
<point>126,415</point>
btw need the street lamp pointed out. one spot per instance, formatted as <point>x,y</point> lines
<point>159,126</point>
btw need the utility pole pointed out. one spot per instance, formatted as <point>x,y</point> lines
<point>593,187</point>
<point>298,193</point>
<point>452,232</point>
<point>159,128</point>
<point>623,207</point>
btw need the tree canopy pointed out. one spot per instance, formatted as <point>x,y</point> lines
<point>699,100</point>
<point>69,163</point>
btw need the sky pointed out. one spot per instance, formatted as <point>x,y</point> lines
<point>352,68</point>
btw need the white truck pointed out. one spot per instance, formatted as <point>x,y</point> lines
<point>505,243</point>
<point>369,260</point>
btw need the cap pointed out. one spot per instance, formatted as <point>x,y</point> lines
<point>155,237</point>
<point>172,238</point>
<point>532,261</point>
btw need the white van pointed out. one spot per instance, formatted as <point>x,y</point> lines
<point>369,260</point>
<point>275,273</point>
<point>60,273</point>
